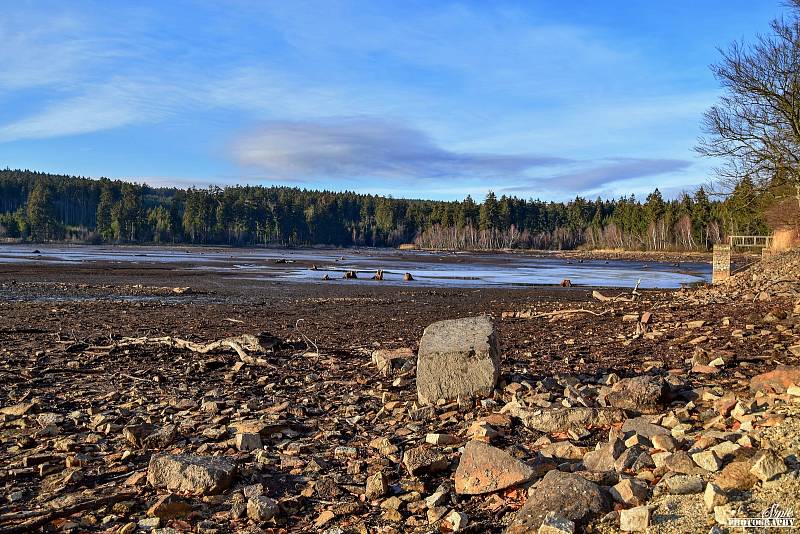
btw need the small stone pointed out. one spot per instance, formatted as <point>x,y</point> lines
<point>714,496</point>
<point>435,513</point>
<point>556,524</point>
<point>641,394</point>
<point>170,507</point>
<point>377,486</point>
<point>388,361</point>
<point>684,484</point>
<point>634,519</point>
<point>436,499</point>
<point>149,523</point>
<point>603,459</point>
<point>723,513</point>
<point>248,441</point>
<point>424,459</point>
<point>708,460</point>
<point>768,465</point>
<point>631,492</point>
<point>441,439</point>
<point>664,442</point>
<point>262,508</point>
<point>458,521</point>
<point>736,476</point>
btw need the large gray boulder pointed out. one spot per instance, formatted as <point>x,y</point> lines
<point>567,494</point>
<point>457,358</point>
<point>203,475</point>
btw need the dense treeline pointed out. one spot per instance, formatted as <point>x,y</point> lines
<point>44,207</point>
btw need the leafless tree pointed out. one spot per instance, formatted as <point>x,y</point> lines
<point>755,127</point>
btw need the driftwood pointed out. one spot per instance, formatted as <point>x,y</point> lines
<point>619,298</point>
<point>553,314</point>
<point>240,344</point>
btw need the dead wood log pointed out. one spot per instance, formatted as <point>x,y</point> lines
<point>241,345</point>
<point>553,314</point>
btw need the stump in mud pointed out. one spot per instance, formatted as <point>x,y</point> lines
<point>350,275</point>
<point>566,282</point>
<point>408,278</point>
<point>326,277</point>
<point>378,275</point>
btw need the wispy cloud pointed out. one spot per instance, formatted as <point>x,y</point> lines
<point>600,175</point>
<point>367,147</point>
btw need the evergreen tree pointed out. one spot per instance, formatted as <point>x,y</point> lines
<point>489,212</point>
<point>39,213</point>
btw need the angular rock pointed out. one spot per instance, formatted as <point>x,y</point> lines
<point>640,394</point>
<point>248,441</point>
<point>603,459</point>
<point>485,469</point>
<point>424,459</point>
<point>630,457</point>
<point>19,409</point>
<point>768,465</point>
<point>441,439</point>
<point>714,496</point>
<point>631,492</point>
<point>457,521</point>
<point>262,508</point>
<point>778,380</point>
<point>736,476</point>
<point>664,442</point>
<point>563,419</point>
<point>566,494</point>
<point>684,484</point>
<point>643,427</point>
<point>205,475</point>
<point>634,519</point>
<point>388,361</point>
<point>708,460</point>
<point>457,359</point>
<point>681,462</point>
<point>377,486</point>
<point>555,524</point>
<point>169,507</point>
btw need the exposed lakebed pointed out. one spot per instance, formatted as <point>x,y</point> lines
<point>441,269</point>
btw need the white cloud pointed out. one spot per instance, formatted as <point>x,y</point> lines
<point>359,147</point>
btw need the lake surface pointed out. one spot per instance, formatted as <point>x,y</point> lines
<point>428,269</point>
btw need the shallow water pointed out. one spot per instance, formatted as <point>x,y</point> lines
<point>428,269</point>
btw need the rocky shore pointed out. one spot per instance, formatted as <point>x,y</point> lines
<point>654,411</point>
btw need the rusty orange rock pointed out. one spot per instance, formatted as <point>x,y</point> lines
<point>485,469</point>
<point>777,381</point>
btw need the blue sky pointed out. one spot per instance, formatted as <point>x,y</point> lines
<point>545,99</point>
